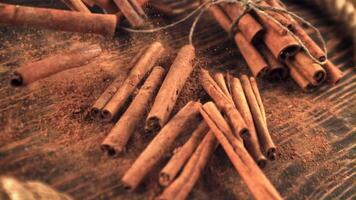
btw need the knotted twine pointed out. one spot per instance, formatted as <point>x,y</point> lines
<point>247,5</point>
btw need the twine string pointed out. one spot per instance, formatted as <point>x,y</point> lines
<point>247,5</point>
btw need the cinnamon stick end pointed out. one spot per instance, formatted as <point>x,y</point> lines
<point>106,115</point>
<point>272,154</point>
<point>244,133</point>
<point>153,125</point>
<point>164,179</point>
<point>109,150</point>
<point>95,113</point>
<point>262,162</point>
<point>16,80</point>
<point>289,51</point>
<point>320,76</point>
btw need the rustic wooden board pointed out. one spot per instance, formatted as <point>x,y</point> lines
<point>46,135</point>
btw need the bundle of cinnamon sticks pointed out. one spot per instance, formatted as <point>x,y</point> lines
<point>270,50</point>
<point>114,98</point>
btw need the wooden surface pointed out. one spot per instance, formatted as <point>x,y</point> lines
<point>45,133</point>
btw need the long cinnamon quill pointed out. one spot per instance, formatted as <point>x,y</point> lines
<point>160,145</point>
<point>118,137</point>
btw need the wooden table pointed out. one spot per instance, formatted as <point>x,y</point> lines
<point>45,133</point>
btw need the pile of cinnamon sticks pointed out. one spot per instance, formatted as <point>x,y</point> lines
<point>270,51</point>
<point>84,20</point>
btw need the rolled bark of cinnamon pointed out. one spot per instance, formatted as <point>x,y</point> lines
<point>248,26</point>
<point>162,142</point>
<point>312,71</point>
<point>281,46</point>
<point>118,137</point>
<point>132,11</point>
<point>276,70</point>
<point>334,74</point>
<point>255,61</point>
<point>172,85</point>
<point>58,19</point>
<point>220,16</point>
<point>76,5</point>
<point>182,186</point>
<point>225,103</point>
<point>41,69</point>
<point>258,184</point>
<point>178,160</point>
<point>265,139</point>
<point>252,143</point>
<point>299,78</point>
<point>271,24</point>
<point>100,103</point>
<point>257,94</point>
<point>220,80</point>
<point>309,43</point>
<point>142,67</point>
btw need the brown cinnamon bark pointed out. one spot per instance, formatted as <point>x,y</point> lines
<point>278,16</point>
<point>58,19</point>
<point>76,5</point>
<point>247,25</point>
<point>143,66</point>
<point>334,73</point>
<point>253,58</point>
<point>220,80</point>
<point>178,160</point>
<point>167,96</point>
<point>252,143</point>
<point>303,83</point>
<point>41,69</point>
<point>276,70</point>
<point>118,137</point>
<point>160,145</point>
<point>309,43</point>
<point>257,94</point>
<point>265,139</point>
<point>225,103</point>
<point>258,184</point>
<point>183,185</point>
<point>281,46</point>
<point>312,71</point>
<point>100,103</point>
<point>220,16</point>
<point>132,11</point>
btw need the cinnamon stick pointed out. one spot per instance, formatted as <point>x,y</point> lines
<point>255,61</point>
<point>220,16</point>
<point>280,17</point>
<point>281,46</point>
<point>257,94</point>
<point>100,103</point>
<point>258,184</point>
<point>299,78</point>
<point>167,96</point>
<point>276,70</point>
<point>178,160</point>
<point>225,103</point>
<point>309,43</point>
<point>182,186</point>
<point>32,72</point>
<point>334,73</point>
<point>248,26</point>
<point>132,11</point>
<point>265,139</point>
<point>312,71</point>
<point>252,143</point>
<point>162,142</point>
<point>220,80</point>
<point>76,5</point>
<point>142,67</point>
<point>58,19</point>
<point>120,134</point>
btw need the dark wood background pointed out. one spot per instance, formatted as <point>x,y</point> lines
<point>45,133</point>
